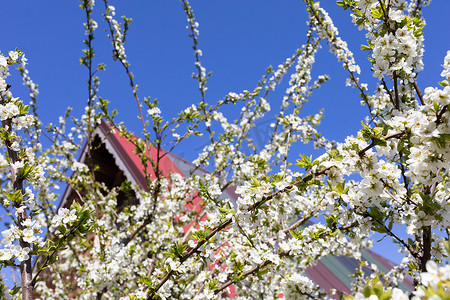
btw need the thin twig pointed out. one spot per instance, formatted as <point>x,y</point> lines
<point>392,234</point>
<point>441,113</point>
<point>419,93</point>
<point>397,99</point>
<point>372,144</point>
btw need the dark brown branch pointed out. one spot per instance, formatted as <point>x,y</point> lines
<point>388,91</point>
<point>352,74</point>
<point>155,193</point>
<point>426,235</point>
<point>441,113</point>
<point>419,93</point>
<point>298,223</point>
<point>392,234</point>
<point>362,152</point>
<point>426,248</point>
<point>147,221</point>
<point>397,98</point>
<point>91,96</point>
<point>127,69</point>
<point>100,294</point>
<point>386,17</point>
<point>246,273</point>
<point>405,179</point>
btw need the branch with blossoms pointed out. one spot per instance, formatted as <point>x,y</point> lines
<point>117,36</point>
<point>69,223</point>
<point>391,174</point>
<point>14,117</point>
<point>282,254</point>
<point>183,257</point>
<point>324,25</point>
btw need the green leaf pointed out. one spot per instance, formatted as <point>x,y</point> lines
<point>84,216</point>
<point>376,13</point>
<point>379,142</point>
<point>308,178</point>
<point>390,225</point>
<point>341,4</point>
<point>331,221</point>
<point>15,197</point>
<point>296,234</point>
<point>52,259</point>
<point>25,171</point>
<point>400,145</point>
<point>101,67</point>
<point>62,229</point>
<point>386,295</point>
<point>444,83</point>
<point>447,245</point>
<point>146,280</point>
<point>255,183</point>
<point>15,290</point>
<point>339,188</point>
<point>212,284</point>
<point>304,162</point>
<point>170,254</point>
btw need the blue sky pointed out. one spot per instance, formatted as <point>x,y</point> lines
<point>239,39</point>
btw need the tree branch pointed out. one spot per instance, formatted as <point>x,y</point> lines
<point>47,259</point>
<point>426,248</point>
<point>362,152</point>
<point>188,255</point>
<point>268,262</point>
<point>441,113</point>
<point>413,252</point>
<point>397,98</point>
<point>419,93</point>
<point>273,195</point>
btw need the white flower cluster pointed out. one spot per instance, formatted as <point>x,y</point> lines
<point>297,286</point>
<point>27,234</point>
<point>434,285</point>
<point>93,25</point>
<point>90,3</point>
<point>201,75</point>
<point>435,278</point>
<point>155,111</point>
<point>397,45</point>
<point>446,72</point>
<point>339,47</point>
<point>32,87</point>
<point>396,294</point>
<point>4,67</point>
<point>64,217</point>
<point>117,35</point>
<point>399,51</point>
<point>10,108</point>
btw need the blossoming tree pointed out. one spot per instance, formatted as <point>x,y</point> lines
<point>393,171</point>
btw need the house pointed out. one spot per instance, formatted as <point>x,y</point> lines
<point>116,160</point>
